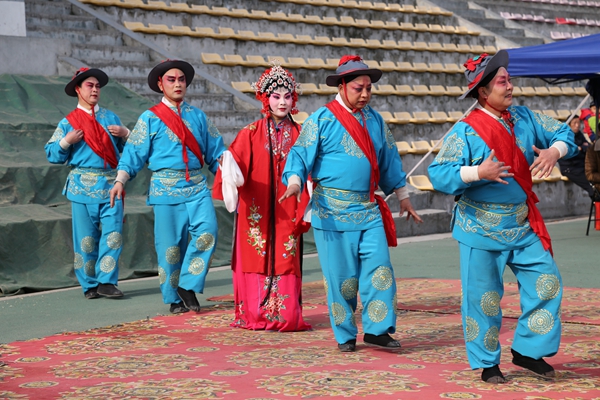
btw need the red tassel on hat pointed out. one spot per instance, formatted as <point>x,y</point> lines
<point>350,57</point>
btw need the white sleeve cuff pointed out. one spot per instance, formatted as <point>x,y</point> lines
<point>64,144</point>
<point>294,180</point>
<point>469,173</point>
<point>232,178</point>
<point>402,193</point>
<point>561,147</point>
<point>122,177</point>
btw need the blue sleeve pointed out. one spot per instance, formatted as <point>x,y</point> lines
<point>462,147</point>
<point>548,131</point>
<point>54,153</point>
<point>391,175</point>
<point>302,156</point>
<point>139,144</point>
<point>211,144</point>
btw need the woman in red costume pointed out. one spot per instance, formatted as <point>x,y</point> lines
<point>267,250</point>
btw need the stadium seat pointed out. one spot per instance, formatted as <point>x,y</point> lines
<point>387,116</point>
<point>438,117</point>
<point>421,90</point>
<point>256,61</point>
<point>243,87</point>
<point>420,117</point>
<point>454,116</point>
<point>385,90</point>
<point>212,58</point>
<point>300,117</point>
<point>402,118</point>
<point>181,30</point>
<point>404,90</point>
<point>403,147</point>
<point>435,146</point>
<point>420,182</point>
<point>231,60</point>
<point>554,176</point>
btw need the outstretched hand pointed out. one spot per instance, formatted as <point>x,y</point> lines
<point>406,206</point>
<point>116,191</point>
<point>545,161</point>
<point>292,190</point>
<point>492,170</point>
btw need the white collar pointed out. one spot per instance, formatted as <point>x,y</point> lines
<point>338,98</point>
<point>168,103</point>
<point>488,112</point>
<point>96,108</point>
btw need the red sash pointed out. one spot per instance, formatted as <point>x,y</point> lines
<point>174,122</point>
<point>94,136</point>
<point>360,134</point>
<point>495,135</point>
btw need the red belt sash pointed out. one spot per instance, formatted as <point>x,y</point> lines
<point>495,135</point>
<point>174,122</point>
<point>94,136</point>
<point>360,134</point>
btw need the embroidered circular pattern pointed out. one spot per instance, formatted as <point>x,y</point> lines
<point>377,310</point>
<point>488,219</point>
<point>338,312</point>
<point>78,262</point>
<point>88,180</point>
<point>162,275</point>
<point>88,244</point>
<point>114,240</point>
<point>173,255</point>
<point>490,339</point>
<point>522,214</point>
<point>90,268</point>
<point>196,266</point>
<point>541,321</point>
<point>349,288</point>
<point>547,286</point>
<point>471,329</point>
<point>174,278</point>
<point>107,264</point>
<point>382,278</point>
<point>168,182</point>
<point>206,241</point>
<point>490,303</point>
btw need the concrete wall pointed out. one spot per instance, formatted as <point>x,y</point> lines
<point>12,18</point>
<point>31,56</point>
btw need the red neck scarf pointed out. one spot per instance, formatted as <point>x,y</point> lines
<point>496,137</point>
<point>94,136</point>
<point>360,134</point>
<point>174,122</point>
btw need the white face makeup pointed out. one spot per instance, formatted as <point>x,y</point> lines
<point>280,103</point>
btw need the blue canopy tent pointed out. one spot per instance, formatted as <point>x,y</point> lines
<point>560,62</point>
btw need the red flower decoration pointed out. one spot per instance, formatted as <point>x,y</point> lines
<point>79,71</point>
<point>347,58</point>
<point>472,63</point>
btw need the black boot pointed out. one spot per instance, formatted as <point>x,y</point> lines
<point>347,347</point>
<point>178,308</point>
<point>492,375</point>
<point>384,340</point>
<point>189,299</point>
<point>109,290</point>
<point>539,367</point>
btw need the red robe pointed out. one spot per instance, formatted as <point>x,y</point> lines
<point>257,196</point>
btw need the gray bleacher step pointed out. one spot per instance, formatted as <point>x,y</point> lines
<point>94,52</point>
<point>49,8</point>
<point>434,221</point>
<point>61,21</point>
<point>76,35</point>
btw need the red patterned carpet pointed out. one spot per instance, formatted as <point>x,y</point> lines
<point>199,356</point>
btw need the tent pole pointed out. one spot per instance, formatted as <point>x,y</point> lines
<point>436,145</point>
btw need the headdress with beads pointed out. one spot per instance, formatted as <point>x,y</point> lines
<point>272,79</point>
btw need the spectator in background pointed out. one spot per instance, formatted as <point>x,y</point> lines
<point>592,166</point>
<point>574,167</point>
<point>586,117</point>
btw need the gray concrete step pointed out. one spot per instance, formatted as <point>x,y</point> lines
<point>50,8</point>
<point>91,53</point>
<point>60,21</point>
<point>99,37</point>
<point>434,221</point>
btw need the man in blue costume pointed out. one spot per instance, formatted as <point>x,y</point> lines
<point>175,139</point>
<point>487,161</point>
<point>89,140</point>
<point>349,151</point>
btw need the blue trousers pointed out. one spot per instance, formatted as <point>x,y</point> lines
<point>540,288</point>
<point>97,242</point>
<point>183,262</point>
<point>357,261</point>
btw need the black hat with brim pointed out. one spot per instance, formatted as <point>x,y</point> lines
<point>166,65</point>
<point>484,65</point>
<point>351,70</point>
<point>81,75</point>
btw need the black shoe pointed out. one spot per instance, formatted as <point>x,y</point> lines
<point>189,299</point>
<point>91,293</point>
<point>347,347</point>
<point>384,340</point>
<point>178,308</point>
<point>109,290</point>
<point>492,375</point>
<point>539,367</point>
